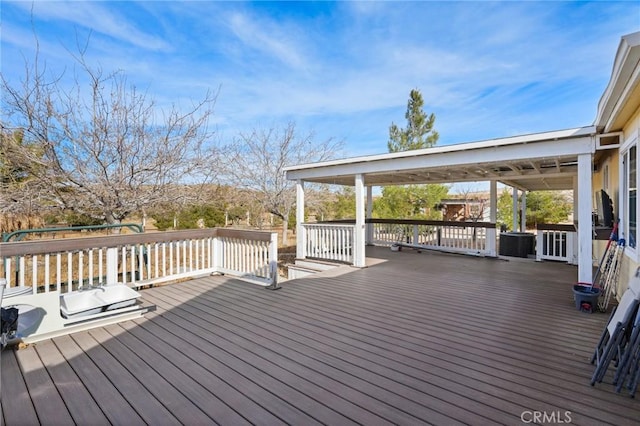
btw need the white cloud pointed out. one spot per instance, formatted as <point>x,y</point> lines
<point>269,38</point>
<point>99,17</point>
<point>346,68</point>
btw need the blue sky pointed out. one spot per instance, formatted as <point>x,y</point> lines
<point>344,69</point>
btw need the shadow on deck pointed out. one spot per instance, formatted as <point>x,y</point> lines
<point>414,338</point>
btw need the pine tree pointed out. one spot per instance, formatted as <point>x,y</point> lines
<point>419,132</point>
<point>416,201</point>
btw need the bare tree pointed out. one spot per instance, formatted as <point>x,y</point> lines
<point>105,148</point>
<point>257,161</point>
<point>474,203</point>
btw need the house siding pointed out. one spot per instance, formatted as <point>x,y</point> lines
<point>630,261</point>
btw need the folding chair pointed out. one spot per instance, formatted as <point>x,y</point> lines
<point>629,365</point>
<point>614,337</point>
<point>633,380</point>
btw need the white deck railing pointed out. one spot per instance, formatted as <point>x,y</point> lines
<point>139,259</point>
<point>464,237</point>
<point>334,242</point>
<point>556,242</point>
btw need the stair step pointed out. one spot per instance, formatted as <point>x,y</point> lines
<point>319,265</point>
<point>297,271</point>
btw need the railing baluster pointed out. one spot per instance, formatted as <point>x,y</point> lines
<point>34,271</point>
<point>47,270</point>
<point>138,261</point>
<point>184,255</point>
<point>59,271</point>
<point>80,268</point>
<point>123,262</point>
<point>101,273</point>
<point>21,274</point>
<point>69,272</point>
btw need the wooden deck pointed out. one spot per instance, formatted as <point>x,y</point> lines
<point>414,338</point>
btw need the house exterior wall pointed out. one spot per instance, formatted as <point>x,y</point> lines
<point>606,176</point>
<point>631,259</point>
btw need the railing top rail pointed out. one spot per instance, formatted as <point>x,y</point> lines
<point>468,224</point>
<point>332,224</point>
<point>20,248</point>
<point>244,234</point>
<point>337,221</point>
<point>555,227</point>
<point>434,223</point>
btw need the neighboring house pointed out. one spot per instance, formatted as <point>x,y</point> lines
<point>584,160</point>
<point>474,208</point>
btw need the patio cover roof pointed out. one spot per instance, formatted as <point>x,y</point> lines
<point>541,161</point>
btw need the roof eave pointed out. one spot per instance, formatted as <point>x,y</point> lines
<point>623,86</point>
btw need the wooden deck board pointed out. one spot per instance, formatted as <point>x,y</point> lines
<point>320,356</point>
<point>175,374</point>
<point>17,406</point>
<point>47,401</point>
<point>263,405</point>
<point>490,381</point>
<point>116,408</point>
<point>419,337</point>
<point>285,384</point>
<point>77,399</point>
<point>161,389</point>
<point>328,380</point>
<point>196,363</point>
<point>146,405</point>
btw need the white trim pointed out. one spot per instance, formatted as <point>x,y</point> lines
<point>449,155</point>
<point>493,217</point>
<point>553,136</point>
<point>630,252</point>
<point>359,249</point>
<point>514,210</point>
<point>301,237</point>
<point>599,137</point>
<point>585,207</point>
<point>523,212</point>
<point>369,215</point>
<point>624,76</point>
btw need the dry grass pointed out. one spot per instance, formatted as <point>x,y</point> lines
<point>10,222</point>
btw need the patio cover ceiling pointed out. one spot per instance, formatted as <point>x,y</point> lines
<point>542,161</point>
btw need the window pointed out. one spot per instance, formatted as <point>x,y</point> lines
<point>630,170</point>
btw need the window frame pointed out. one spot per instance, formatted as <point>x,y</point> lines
<point>627,198</point>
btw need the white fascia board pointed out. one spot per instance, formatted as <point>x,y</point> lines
<point>492,143</point>
<point>424,159</point>
<point>625,96</point>
<point>626,60</point>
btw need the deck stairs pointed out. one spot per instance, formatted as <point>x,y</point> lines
<point>307,267</point>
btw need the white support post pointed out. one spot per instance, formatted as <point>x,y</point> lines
<point>515,215</point>
<point>369,214</point>
<point>301,237</point>
<point>575,199</point>
<point>493,217</point>
<point>112,265</point>
<point>575,239</point>
<point>273,262</point>
<point>539,245</point>
<point>217,254</point>
<point>523,212</point>
<point>585,248</point>
<point>359,249</point>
